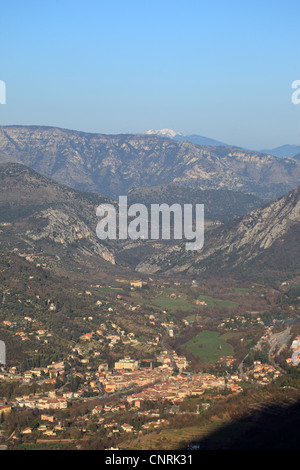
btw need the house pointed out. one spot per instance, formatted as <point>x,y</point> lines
<point>127,427</point>
<point>27,431</point>
<point>59,427</point>
<point>48,418</point>
<point>137,284</point>
<point>53,373</point>
<point>127,364</point>
<point>97,409</point>
<point>42,428</point>
<point>49,432</point>
<point>110,425</point>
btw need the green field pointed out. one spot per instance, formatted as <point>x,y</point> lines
<point>206,345</point>
<point>242,290</point>
<point>110,289</point>
<point>170,438</point>
<point>165,301</point>
<point>193,317</point>
<point>179,303</point>
<point>212,301</point>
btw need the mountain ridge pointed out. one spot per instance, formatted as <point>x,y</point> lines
<point>43,220</point>
<point>113,164</point>
<point>194,138</point>
<point>284,151</point>
<point>266,238</point>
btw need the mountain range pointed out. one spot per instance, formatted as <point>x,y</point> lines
<point>54,225</point>
<point>284,151</point>
<point>266,239</point>
<point>112,165</point>
<point>44,219</point>
<point>194,138</point>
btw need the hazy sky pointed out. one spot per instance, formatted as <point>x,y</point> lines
<point>221,69</point>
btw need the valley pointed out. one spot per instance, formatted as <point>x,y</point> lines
<point>184,340</point>
<point>138,344</point>
<point>149,231</point>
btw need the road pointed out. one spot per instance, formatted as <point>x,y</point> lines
<point>169,351</point>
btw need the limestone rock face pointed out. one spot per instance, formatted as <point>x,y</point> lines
<point>47,222</point>
<point>114,164</point>
<point>269,236</point>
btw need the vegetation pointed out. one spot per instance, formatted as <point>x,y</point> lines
<point>209,346</point>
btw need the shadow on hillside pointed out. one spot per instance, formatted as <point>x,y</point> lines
<point>271,428</point>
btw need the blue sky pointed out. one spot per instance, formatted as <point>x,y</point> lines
<point>219,69</point>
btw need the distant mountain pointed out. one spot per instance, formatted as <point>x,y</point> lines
<point>297,157</point>
<point>284,151</point>
<point>194,138</point>
<point>114,164</point>
<point>165,133</point>
<point>267,239</point>
<point>221,205</point>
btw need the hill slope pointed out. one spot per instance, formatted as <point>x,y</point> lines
<point>265,239</point>
<point>48,223</point>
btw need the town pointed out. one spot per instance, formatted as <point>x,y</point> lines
<point>118,383</point>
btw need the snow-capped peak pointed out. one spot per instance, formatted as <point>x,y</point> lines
<point>164,132</point>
